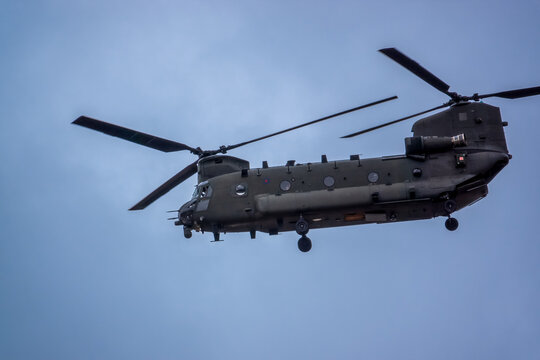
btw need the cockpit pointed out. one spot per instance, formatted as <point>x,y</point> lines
<point>203,190</point>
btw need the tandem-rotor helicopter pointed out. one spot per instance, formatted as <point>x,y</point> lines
<point>447,165</point>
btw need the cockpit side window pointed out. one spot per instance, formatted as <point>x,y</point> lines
<point>203,190</point>
<point>206,191</point>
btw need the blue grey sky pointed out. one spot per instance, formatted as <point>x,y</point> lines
<point>83,278</point>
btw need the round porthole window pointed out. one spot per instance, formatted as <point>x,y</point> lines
<point>240,190</point>
<point>285,185</point>
<point>373,177</point>
<point>329,181</point>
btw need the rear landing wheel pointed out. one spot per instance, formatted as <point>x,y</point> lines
<point>451,223</point>
<point>304,244</point>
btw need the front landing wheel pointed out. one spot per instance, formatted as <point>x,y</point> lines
<point>451,224</point>
<point>304,244</point>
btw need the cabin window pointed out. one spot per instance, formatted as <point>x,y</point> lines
<point>373,177</point>
<point>329,181</point>
<point>285,185</point>
<point>240,189</point>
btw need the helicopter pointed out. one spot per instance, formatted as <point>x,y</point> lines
<point>447,165</point>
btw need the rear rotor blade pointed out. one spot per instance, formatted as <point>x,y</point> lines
<point>416,69</point>
<point>133,135</point>
<point>310,123</point>
<point>513,94</point>
<point>184,174</point>
<point>393,122</point>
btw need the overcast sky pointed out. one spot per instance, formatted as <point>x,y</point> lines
<point>83,278</point>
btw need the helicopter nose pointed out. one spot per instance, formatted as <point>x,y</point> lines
<point>186,217</point>
<point>185,213</point>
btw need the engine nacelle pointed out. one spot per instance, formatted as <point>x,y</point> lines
<point>421,145</point>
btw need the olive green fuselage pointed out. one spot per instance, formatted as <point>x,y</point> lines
<point>359,191</point>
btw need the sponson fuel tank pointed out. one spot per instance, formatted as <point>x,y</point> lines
<point>321,200</point>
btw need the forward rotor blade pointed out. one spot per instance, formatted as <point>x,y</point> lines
<point>393,122</point>
<point>133,135</point>
<point>514,94</point>
<point>416,69</point>
<point>310,123</point>
<point>184,174</point>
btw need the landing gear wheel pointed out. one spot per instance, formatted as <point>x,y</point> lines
<point>302,226</point>
<point>451,223</point>
<point>187,233</point>
<point>304,244</point>
<point>450,206</point>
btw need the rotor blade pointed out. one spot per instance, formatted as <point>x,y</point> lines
<point>394,122</point>
<point>416,69</point>
<point>184,174</point>
<point>133,135</point>
<point>311,122</point>
<point>514,94</point>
